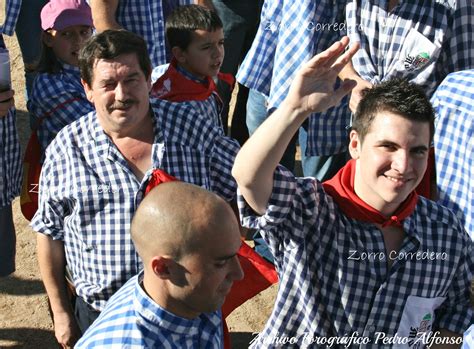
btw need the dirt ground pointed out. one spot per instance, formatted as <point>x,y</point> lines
<point>24,316</point>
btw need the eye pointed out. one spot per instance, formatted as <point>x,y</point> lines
<point>221,264</point>
<point>389,147</point>
<point>66,34</point>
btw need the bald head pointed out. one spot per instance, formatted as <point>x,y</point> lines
<point>177,218</point>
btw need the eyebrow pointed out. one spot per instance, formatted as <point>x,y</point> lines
<point>223,258</point>
<point>387,142</point>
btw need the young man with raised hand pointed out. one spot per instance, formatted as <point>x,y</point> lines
<point>361,255</point>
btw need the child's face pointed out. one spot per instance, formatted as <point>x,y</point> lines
<point>66,43</point>
<point>204,55</point>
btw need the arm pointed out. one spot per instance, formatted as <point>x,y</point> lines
<point>52,261</point>
<point>311,91</point>
<point>6,102</point>
<point>103,14</point>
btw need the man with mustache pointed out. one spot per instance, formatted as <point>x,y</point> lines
<point>95,169</point>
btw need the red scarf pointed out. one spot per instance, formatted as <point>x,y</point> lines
<point>341,188</point>
<point>175,87</point>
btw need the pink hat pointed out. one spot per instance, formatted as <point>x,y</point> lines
<point>60,14</point>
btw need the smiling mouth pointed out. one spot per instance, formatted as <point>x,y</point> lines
<point>398,180</point>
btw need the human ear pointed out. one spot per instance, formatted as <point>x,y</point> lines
<point>179,54</point>
<point>161,266</point>
<point>88,91</point>
<point>47,38</point>
<point>354,144</point>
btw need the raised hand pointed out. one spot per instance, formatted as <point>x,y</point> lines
<point>312,89</point>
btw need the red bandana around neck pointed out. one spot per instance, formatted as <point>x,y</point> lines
<point>175,87</point>
<point>341,188</point>
<point>157,177</point>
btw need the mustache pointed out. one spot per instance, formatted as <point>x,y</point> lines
<point>122,104</point>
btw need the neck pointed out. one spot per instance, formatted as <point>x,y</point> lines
<point>158,291</point>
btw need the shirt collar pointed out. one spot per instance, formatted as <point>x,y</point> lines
<point>69,68</point>
<point>151,315</point>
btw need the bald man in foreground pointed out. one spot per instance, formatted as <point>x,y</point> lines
<point>188,239</point>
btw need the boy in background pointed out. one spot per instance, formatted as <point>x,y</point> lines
<point>196,39</point>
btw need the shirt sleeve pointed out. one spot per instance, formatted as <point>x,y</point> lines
<point>292,211</point>
<point>456,313</point>
<point>458,51</point>
<point>52,209</point>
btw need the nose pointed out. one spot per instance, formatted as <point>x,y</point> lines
<point>236,271</point>
<point>121,92</point>
<point>401,161</point>
<point>218,51</point>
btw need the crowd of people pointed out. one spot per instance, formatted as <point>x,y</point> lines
<point>373,246</point>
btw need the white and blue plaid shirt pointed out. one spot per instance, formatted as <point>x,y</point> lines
<point>57,100</point>
<point>132,319</point>
<point>468,340</point>
<point>10,159</point>
<point>290,33</point>
<point>88,193</point>
<point>422,41</point>
<point>454,147</point>
<point>145,18</point>
<point>334,278</point>
<point>12,11</point>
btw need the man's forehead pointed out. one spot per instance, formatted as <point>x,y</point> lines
<point>125,63</point>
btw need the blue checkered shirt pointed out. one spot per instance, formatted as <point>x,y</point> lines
<point>422,41</point>
<point>329,287</point>
<point>145,18</point>
<point>468,340</point>
<point>57,100</point>
<point>290,33</point>
<point>132,319</point>
<point>454,146</point>
<point>88,193</point>
<point>12,10</point>
<point>10,159</point>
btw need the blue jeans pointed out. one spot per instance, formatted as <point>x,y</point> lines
<point>28,31</point>
<point>84,313</point>
<point>256,115</point>
<point>240,19</point>
<point>7,241</point>
<point>322,167</point>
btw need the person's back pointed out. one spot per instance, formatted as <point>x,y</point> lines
<point>454,150</point>
<point>188,239</point>
<point>196,39</point>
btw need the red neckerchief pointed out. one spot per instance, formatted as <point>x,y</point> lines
<point>341,188</point>
<point>175,87</point>
<point>157,177</point>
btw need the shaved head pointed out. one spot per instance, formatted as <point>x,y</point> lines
<point>177,218</point>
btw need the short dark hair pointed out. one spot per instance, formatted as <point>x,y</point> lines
<point>111,44</point>
<point>396,96</point>
<point>184,20</point>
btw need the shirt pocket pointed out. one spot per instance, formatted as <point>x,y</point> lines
<point>417,321</point>
<point>417,54</point>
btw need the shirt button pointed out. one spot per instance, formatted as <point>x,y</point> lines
<point>371,328</point>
